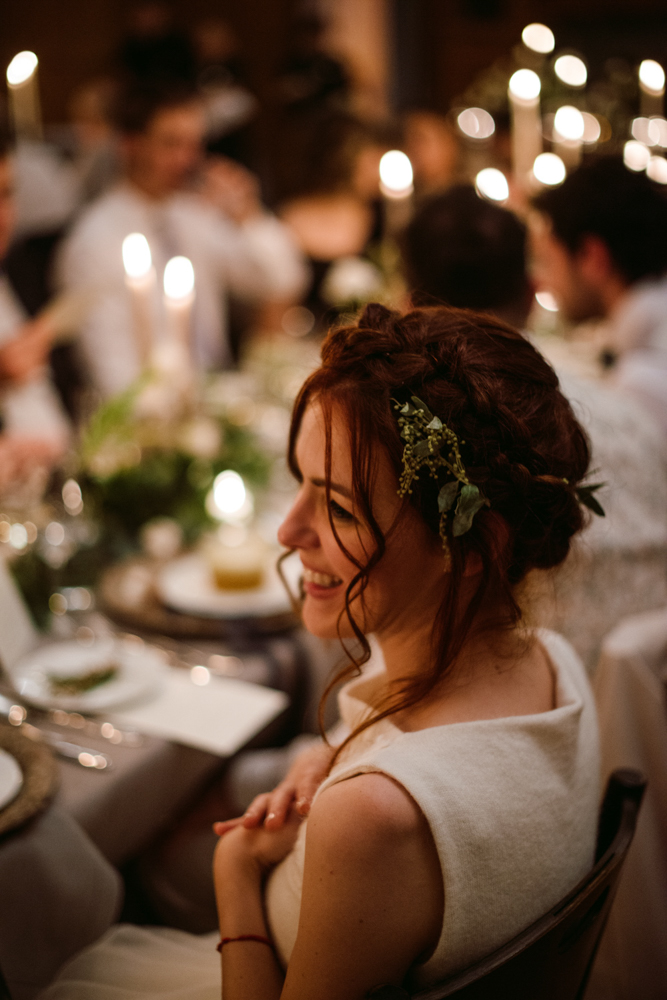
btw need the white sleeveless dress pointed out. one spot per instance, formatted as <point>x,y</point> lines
<point>512,805</point>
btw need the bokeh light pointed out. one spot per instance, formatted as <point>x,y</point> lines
<point>549,169</point>
<point>571,70</point>
<point>539,38</point>
<point>492,184</point>
<point>476,123</point>
<point>21,68</point>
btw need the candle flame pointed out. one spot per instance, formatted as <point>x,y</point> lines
<point>21,68</point>
<point>652,77</point>
<point>571,70</point>
<point>476,123</point>
<point>136,255</point>
<point>395,174</point>
<point>492,184</point>
<point>179,278</point>
<point>549,169</point>
<point>569,123</point>
<point>539,38</point>
<point>636,156</point>
<point>525,85</point>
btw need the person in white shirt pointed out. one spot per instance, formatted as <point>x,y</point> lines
<point>599,246</point>
<point>464,251</point>
<point>234,244</point>
<point>34,427</point>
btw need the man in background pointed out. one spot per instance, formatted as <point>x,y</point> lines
<point>208,213</point>
<point>34,428</point>
<point>599,246</point>
<point>467,252</point>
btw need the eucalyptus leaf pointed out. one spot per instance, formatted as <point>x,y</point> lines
<point>420,405</point>
<point>585,495</point>
<point>421,449</point>
<point>469,502</point>
<point>447,496</point>
<point>435,424</point>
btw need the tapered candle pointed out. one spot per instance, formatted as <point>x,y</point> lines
<point>179,297</point>
<point>524,97</point>
<point>24,96</point>
<point>141,284</point>
<point>568,134</point>
<point>651,88</point>
<point>396,184</point>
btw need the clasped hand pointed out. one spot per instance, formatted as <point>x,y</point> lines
<point>268,829</point>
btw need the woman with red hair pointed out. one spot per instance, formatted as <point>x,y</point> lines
<point>439,467</point>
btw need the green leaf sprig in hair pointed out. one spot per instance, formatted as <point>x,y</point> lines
<point>431,444</point>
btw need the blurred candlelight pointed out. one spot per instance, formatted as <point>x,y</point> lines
<point>229,499</point>
<point>179,296</point>
<point>549,169</point>
<point>492,184</point>
<point>651,87</point>
<point>476,123</point>
<point>24,96</point>
<point>539,38</point>
<point>571,70</point>
<point>569,127</point>
<point>636,155</point>
<point>396,184</point>
<point>524,96</point>
<point>140,281</point>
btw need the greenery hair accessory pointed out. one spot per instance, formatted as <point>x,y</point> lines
<point>433,445</point>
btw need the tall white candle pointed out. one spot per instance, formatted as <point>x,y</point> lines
<point>524,97</point>
<point>179,297</point>
<point>396,184</point>
<point>568,134</point>
<point>140,281</point>
<point>24,96</point>
<point>651,88</point>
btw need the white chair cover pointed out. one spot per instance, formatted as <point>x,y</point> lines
<point>630,690</point>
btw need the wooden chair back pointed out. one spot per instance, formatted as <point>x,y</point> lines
<point>552,959</point>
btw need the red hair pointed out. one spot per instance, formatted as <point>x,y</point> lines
<point>520,444</point>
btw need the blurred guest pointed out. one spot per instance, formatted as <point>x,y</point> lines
<point>230,105</point>
<point>434,152</point>
<point>337,215</point>
<point>91,140</point>
<point>599,247</point>
<point>34,428</point>
<point>233,243</point>
<point>467,252</point>
<point>153,47</point>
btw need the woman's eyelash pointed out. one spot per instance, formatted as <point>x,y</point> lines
<point>340,512</point>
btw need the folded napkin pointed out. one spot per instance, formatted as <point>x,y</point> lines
<point>220,716</point>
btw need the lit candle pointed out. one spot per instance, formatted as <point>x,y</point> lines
<point>179,297</point>
<point>524,96</point>
<point>569,129</point>
<point>538,38</point>
<point>396,184</point>
<point>24,96</point>
<point>651,87</point>
<point>571,70</point>
<point>141,283</point>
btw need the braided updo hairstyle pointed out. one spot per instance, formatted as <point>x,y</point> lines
<point>520,444</point>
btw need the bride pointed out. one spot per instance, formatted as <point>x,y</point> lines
<point>439,466</point>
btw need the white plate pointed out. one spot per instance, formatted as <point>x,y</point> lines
<point>187,585</point>
<point>11,778</point>
<point>141,671</point>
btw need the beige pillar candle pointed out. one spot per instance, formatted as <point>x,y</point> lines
<point>524,97</point>
<point>140,282</point>
<point>24,96</point>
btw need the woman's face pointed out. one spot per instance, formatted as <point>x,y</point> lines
<point>404,589</point>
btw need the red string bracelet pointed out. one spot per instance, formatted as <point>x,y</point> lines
<point>244,937</point>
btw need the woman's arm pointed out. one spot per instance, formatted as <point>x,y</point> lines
<point>242,859</point>
<point>372,901</point>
